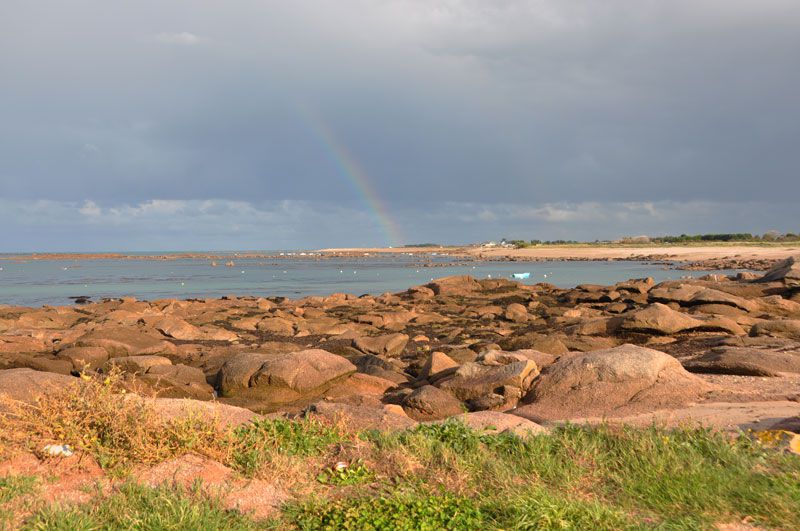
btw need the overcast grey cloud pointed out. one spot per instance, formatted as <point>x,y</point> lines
<point>176,124</point>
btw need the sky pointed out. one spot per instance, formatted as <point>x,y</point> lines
<point>257,124</point>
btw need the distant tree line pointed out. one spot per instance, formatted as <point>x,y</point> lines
<point>769,236</point>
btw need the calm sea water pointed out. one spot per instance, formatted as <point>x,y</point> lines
<point>53,282</point>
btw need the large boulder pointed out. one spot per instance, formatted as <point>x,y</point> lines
<point>26,385</point>
<point>431,403</point>
<point>455,285</point>
<point>279,379</point>
<point>693,295</point>
<point>611,382</point>
<point>661,319</point>
<point>787,271</point>
<point>745,362</point>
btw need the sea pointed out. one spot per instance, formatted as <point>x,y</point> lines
<point>26,281</point>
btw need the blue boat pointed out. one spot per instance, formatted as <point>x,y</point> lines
<point>520,276</point>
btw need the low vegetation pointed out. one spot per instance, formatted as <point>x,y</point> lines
<point>769,237</point>
<point>435,476</point>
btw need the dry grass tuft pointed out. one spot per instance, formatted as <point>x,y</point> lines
<point>101,418</point>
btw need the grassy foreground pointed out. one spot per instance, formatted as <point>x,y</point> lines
<point>443,476</point>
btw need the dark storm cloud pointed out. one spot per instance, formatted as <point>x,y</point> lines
<point>526,103</point>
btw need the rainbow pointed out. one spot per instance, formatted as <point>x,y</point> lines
<point>355,175</point>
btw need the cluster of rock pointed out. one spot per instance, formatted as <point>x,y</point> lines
<point>456,345</point>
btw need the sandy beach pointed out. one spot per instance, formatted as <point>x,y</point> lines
<point>598,252</point>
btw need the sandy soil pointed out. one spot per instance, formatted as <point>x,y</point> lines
<point>589,252</point>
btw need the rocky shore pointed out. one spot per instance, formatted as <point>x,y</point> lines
<point>457,344</point>
<point>500,356</point>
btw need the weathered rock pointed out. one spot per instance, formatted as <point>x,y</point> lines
<point>473,380</point>
<point>438,365</point>
<point>456,285</point>
<point>497,422</point>
<point>283,378</point>
<point>359,385</point>
<point>354,417</point>
<point>692,294</point>
<point>277,326</point>
<point>19,344</point>
<point>780,328</point>
<point>124,341</point>
<point>549,344</point>
<point>787,271</point>
<point>420,293</point>
<point>26,385</point>
<point>387,345</point>
<point>431,403</point>
<point>596,327</point>
<point>659,319</point>
<point>177,329</point>
<point>611,382</point>
<point>226,416</point>
<point>541,359</point>
<point>177,381</point>
<point>88,357</point>
<point>516,313</point>
<point>745,362</point>
<point>636,285</point>
<point>137,364</point>
<point>377,366</point>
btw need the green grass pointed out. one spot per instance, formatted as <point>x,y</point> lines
<point>137,507</point>
<point>256,442</point>
<point>355,473</point>
<point>447,474</point>
<point>14,486</point>
<point>682,478</point>
<point>397,511</point>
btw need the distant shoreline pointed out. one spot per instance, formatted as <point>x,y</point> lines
<point>600,252</point>
<point>581,252</point>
